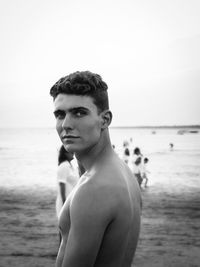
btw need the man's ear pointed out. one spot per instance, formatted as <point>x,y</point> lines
<point>106,118</point>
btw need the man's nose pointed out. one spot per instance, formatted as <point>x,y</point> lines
<point>67,122</point>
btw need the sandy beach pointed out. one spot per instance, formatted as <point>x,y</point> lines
<point>169,231</point>
<point>28,230</point>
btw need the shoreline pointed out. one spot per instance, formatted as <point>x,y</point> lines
<point>169,231</point>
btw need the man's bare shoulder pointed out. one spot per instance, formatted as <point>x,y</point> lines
<point>92,197</point>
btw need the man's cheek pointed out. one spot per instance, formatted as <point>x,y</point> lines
<point>58,127</point>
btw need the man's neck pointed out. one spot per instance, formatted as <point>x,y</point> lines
<point>90,157</point>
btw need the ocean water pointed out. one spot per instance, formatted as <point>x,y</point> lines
<point>28,157</point>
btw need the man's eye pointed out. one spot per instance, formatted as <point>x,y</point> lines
<point>59,115</point>
<point>79,113</point>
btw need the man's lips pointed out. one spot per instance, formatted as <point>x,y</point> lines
<point>69,137</point>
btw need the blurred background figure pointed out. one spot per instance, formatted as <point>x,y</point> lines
<point>131,145</point>
<point>136,154</point>
<point>67,176</point>
<point>171,146</point>
<point>137,170</point>
<point>136,164</point>
<point>145,171</point>
<point>126,152</point>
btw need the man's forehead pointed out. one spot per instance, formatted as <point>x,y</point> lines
<point>72,101</point>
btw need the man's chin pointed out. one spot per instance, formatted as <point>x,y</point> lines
<point>70,148</point>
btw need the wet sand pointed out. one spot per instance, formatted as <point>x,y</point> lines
<point>28,230</point>
<point>169,231</point>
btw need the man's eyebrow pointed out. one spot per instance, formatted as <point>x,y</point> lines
<point>77,108</point>
<point>74,109</point>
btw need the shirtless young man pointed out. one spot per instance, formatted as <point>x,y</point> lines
<point>100,220</point>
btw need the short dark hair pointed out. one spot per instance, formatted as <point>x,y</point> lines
<point>83,83</point>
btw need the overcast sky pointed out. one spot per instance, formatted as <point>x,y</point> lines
<point>148,52</point>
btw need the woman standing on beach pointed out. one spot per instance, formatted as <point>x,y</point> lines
<point>67,177</point>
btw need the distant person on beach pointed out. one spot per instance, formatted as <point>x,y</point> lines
<point>136,154</point>
<point>126,152</point>
<point>67,177</point>
<point>131,145</point>
<point>171,146</point>
<point>137,170</point>
<point>145,171</point>
<point>100,220</point>
<point>136,164</point>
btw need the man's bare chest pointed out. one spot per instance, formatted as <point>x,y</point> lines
<point>64,218</point>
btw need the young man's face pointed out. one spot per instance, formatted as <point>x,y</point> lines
<point>77,122</point>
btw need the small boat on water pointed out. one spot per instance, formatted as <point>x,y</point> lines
<point>193,131</point>
<point>187,131</point>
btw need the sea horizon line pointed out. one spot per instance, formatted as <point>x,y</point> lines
<point>184,126</point>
